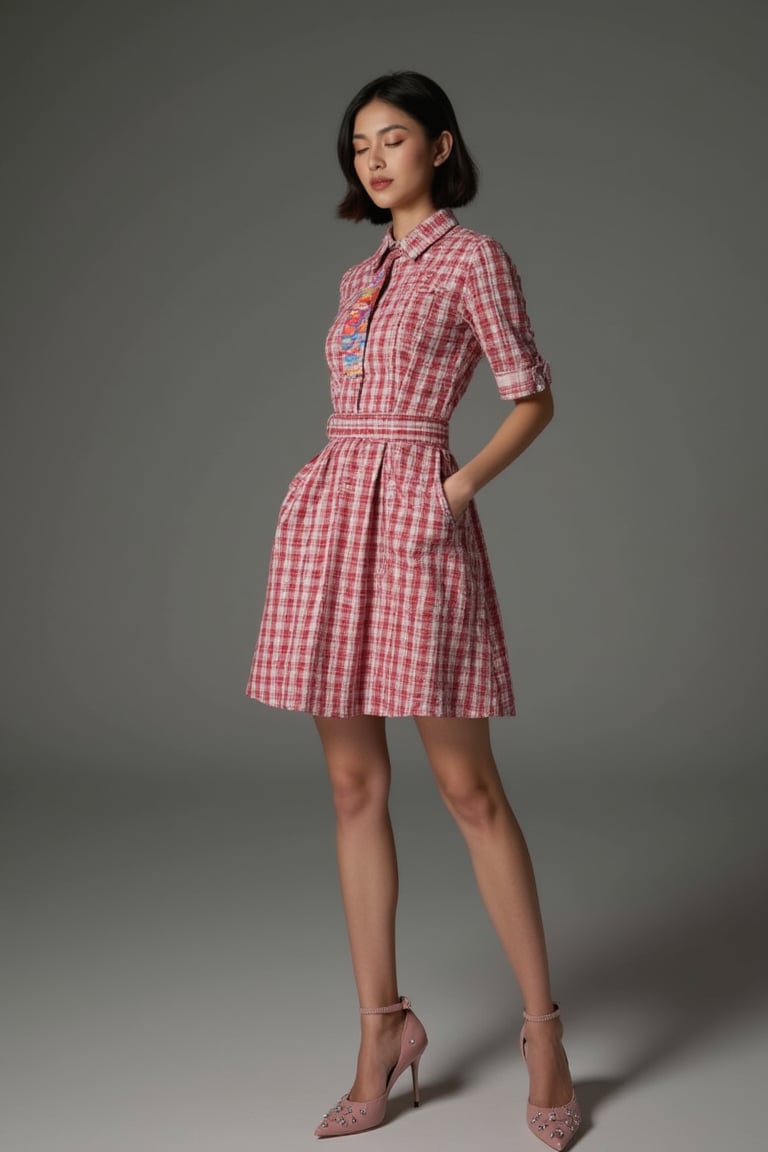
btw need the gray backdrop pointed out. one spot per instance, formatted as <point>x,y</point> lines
<point>170,262</point>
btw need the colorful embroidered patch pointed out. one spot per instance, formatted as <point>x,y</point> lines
<point>355,329</point>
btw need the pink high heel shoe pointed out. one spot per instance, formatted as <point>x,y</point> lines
<point>555,1126</point>
<point>350,1116</point>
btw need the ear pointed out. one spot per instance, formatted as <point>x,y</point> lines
<point>442,147</point>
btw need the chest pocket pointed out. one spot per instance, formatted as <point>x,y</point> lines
<point>432,282</point>
<point>429,314</point>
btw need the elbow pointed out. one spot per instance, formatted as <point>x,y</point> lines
<point>540,407</point>
<point>545,409</point>
<point>548,407</point>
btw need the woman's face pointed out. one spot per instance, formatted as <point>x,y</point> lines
<point>394,160</point>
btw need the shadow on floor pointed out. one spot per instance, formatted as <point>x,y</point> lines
<point>690,972</point>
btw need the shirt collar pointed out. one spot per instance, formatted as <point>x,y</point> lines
<point>423,235</point>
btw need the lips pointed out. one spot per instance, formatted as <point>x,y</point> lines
<point>379,185</point>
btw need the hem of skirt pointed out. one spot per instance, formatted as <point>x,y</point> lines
<point>394,714</point>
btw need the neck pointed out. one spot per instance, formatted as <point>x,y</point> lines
<point>404,220</point>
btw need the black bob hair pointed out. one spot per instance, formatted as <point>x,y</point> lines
<point>455,181</point>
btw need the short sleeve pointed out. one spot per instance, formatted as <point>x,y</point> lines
<point>495,309</point>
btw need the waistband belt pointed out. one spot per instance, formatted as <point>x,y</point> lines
<point>418,429</point>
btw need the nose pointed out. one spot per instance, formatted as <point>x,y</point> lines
<point>375,156</point>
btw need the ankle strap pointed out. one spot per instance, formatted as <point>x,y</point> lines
<point>542,1019</point>
<point>402,1003</point>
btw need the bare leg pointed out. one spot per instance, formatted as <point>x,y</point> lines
<point>356,752</point>
<point>459,751</point>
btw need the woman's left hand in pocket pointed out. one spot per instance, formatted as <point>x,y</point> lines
<point>457,494</point>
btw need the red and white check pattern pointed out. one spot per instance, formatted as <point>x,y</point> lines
<point>377,600</point>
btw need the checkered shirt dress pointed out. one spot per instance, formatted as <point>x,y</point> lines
<point>378,601</point>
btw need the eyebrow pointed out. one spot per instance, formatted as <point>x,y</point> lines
<point>381,131</point>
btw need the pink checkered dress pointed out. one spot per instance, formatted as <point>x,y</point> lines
<point>377,600</point>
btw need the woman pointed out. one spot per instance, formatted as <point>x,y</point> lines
<point>380,599</point>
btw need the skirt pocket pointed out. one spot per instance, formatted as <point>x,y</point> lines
<point>421,523</point>
<point>295,486</point>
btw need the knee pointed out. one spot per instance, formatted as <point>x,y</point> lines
<point>359,791</point>
<point>473,803</point>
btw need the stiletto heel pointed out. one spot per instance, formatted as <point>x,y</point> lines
<point>350,1116</point>
<point>558,1125</point>
<point>415,1078</point>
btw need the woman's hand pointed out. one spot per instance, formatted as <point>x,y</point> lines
<point>458,493</point>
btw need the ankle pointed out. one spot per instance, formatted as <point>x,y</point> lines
<point>542,1014</point>
<point>373,1026</point>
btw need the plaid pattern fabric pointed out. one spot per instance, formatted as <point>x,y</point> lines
<point>377,600</point>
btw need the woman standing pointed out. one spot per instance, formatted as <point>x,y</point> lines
<point>380,598</point>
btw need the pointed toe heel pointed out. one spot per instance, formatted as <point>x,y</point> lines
<point>555,1126</point>
<point>350,1116</point>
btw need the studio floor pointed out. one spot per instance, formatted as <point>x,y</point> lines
<point>176,977</point>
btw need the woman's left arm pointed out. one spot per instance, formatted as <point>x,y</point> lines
<point>528,418</point>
